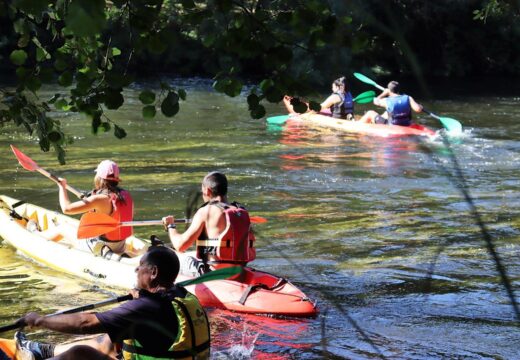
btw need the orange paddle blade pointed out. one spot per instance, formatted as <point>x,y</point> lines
<point>257,219</point>
<point>24,160</point>
<point>94,224</point>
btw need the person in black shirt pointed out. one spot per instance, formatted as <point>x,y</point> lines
<point>149,323</point>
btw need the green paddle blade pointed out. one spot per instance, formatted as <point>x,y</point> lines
<point>281,119</point>
<point>220,274</point>
<point>366,80</point>
<point>365,98</point>
<point>452,125</point>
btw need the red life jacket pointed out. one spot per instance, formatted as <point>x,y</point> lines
<point>235,245</point>
<point>121,211</point>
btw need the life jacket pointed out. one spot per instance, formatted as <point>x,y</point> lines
<point>121,211</point>
<point>193,335</point>
<point>235,245</point>
<point>399,110</point>
<point>342,109</point>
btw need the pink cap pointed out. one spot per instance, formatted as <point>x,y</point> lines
<point>108,170</point>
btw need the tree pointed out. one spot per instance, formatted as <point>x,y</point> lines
<point>90,46</point>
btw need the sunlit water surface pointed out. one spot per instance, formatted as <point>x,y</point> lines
<point>373,229</point>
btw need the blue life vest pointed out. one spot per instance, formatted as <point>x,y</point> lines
<point>343,108</point>
<point>399,110</point>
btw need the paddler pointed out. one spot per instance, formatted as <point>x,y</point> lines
<point>163,321</point>
<point>340,103</point>
<point>106,198</point>
<point>398,107</point>
<point>220,230</point>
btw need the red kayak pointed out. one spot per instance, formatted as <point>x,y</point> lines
<point>255,292</point>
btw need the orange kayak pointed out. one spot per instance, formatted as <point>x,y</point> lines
<point>380,130</point>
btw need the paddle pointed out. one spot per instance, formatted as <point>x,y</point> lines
<point>94,224</point>
<point>219,274</point>
<point>452,125</point>
<point>362,98</point>
<point>29,164</point>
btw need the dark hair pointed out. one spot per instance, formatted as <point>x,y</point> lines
<point>166,261</point>
<point>216,182</point>
<point>394,87</point>
<point>341,83</point>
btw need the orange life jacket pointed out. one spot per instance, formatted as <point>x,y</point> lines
<point>235,245</point>
<point>121,211</point>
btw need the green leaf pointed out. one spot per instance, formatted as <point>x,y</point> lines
<point>147,97</point>
<point>18,57</point>
<point>258,112</point>
<point>119,132</point>
<point>65,79</point>
<point>105,126</point>
<point>21,72</point>
<point>116,51</point>
<point>55,136</point>
<point>113,99</point>
<point>33,83</point>
<point>60,64</point>
<point>35,7</point>
<point>234,88</point>
<point>253,100</point>
<point>86,17</point>
<point>170,104</point>
<point>149,112</point>
<point>266,84</point>
<point>62,104</point>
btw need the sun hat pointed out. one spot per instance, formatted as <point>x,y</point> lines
<point>108,170</point>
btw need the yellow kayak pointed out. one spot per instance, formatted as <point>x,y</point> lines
<point>252,291</point>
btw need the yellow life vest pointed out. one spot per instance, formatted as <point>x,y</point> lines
<point>193,337</point>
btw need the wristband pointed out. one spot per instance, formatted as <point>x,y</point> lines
<point>171,226</point>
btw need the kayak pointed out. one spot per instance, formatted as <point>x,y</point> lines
<point>381,130</point>
<point>252,291</point>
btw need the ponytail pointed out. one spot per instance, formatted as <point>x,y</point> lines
<point>341,83</point>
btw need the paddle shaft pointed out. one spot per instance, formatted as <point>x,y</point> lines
<point>47,174</point>
<point>151,222</point>
<point>212,275</point>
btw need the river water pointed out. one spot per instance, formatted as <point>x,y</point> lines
<point>376,230</point>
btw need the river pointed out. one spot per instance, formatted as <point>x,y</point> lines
<point>376,230</point>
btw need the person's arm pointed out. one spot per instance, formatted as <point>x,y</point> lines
<point>380,99</point>
<point>93,202</point>
<point>182,242</point>
<point>82,323</point>
<point>331,100</point>
<point>415,105</point>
